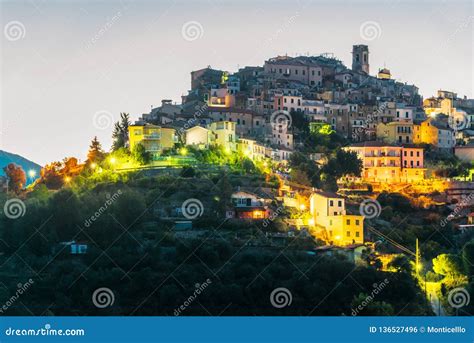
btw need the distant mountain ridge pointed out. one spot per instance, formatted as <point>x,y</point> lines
<point>7,157</point>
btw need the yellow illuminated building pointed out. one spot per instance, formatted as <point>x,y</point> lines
<point>384,74</point>
<point>154,138</point>
<point>329,212</point>
<point>435,132</point>
<point>460,119</point>
<point>251,149</point>
<point>223,134</point>
<point>395,132</point>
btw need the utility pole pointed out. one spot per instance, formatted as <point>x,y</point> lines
<point>417,263</point>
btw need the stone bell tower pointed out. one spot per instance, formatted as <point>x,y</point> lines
<point>360,58</point>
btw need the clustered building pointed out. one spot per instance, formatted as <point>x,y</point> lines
<point>251,111</point>
<point>357,105</point>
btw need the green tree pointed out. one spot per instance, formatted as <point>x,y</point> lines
<point>140,154</point>
<point>95,153</point>
<point>129,208</point>
<point>297,159</point>
<point>448,265</point>
<point>401,264</point>
<point>51,175</point>
<point>247,165</point>
<point>364,304</point>
<point>120,133</point>
<point>225,192</point>
<point>187,171</point>
<point>343,163</point>
<point>300,176</point>
<point>468,259</point>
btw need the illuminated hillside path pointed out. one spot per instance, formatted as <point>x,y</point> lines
<point>431,289</point>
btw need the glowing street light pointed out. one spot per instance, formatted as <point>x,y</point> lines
<point>302,207</point>
<point>93,165</point>
<point>67,179</point>
<point>31,173</point>
<point>113,160</point>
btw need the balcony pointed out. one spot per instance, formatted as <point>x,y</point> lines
<point>152,136</point>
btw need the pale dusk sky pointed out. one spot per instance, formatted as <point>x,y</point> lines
<point>64,61</point>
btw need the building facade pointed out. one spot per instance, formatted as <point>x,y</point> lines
<point>389,163</point>
<point>329,212</point>
<point>153,138</point>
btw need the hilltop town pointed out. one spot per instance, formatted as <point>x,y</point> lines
<point>292,170</point>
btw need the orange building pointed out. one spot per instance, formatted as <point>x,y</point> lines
<point>383,162</point>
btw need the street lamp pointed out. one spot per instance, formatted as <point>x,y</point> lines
<point>32,173</point>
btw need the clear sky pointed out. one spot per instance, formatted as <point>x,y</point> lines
<point>64,63</point>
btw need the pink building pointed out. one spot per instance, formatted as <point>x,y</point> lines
<point>388,163</point>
